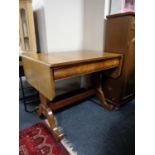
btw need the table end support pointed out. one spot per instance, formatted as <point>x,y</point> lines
<point>47,112</point>
<point>100,95</point>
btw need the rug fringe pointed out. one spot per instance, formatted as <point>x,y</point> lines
<point>65,142</point>
<point>68,146</point>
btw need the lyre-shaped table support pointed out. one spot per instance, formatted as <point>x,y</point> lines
<point>47,112</point>
<point>97,81</point>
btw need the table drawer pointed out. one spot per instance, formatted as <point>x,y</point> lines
<point>85,68</point>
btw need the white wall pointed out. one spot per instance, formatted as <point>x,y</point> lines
<point>64,24</point>
<point>93,22</point>
<point>59,23</point>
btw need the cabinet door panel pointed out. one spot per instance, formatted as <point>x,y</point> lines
<point>116,34</point>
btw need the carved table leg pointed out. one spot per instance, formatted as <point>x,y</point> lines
<point>47,112</point>
<point>100,93</point>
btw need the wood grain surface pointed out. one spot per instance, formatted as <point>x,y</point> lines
<point>57,59</point>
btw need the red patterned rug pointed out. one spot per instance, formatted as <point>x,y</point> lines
<point>37,140</point>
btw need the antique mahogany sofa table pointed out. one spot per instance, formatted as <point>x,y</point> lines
<point>43,69</point>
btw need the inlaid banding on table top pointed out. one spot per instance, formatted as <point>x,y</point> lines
<point>84,68</point>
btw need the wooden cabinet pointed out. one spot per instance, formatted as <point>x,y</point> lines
<point>120,38</point>
<point>27,37</point>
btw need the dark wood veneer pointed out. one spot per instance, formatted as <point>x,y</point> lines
<point>120,38</point>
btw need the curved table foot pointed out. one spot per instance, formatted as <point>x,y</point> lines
<point>47,112</point>
<point>100,95</point>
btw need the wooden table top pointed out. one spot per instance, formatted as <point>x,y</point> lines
<point>57,59</point>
